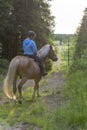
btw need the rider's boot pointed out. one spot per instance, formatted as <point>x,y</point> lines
<point>43,71</point>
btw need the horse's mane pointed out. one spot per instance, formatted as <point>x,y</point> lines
<point>43,52</point>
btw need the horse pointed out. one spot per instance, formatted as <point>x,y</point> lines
<point>26,68</point>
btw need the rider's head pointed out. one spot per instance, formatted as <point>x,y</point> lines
<point>31,34</point>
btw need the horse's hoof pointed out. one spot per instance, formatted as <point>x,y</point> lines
<point>20,101</point>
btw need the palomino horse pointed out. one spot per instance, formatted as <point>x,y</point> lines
<point>26,68</point>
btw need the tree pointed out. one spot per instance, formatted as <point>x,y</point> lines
<point>34,15</point>
<point>5,9</point>
<point>21,16</point>
<point>81,43</point>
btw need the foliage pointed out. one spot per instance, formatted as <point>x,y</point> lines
<point>17,18</point>
<point>63,38</point>
<point>7,29</point>
<point>81,43</point>
<point>66,57</point>
<point>3,66</point>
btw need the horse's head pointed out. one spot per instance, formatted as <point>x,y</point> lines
<point>47,51</point>
<point>52,55</point>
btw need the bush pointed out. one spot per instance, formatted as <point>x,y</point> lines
<point>79,64</point>
<point>3,66</point>
<point>48,65</point>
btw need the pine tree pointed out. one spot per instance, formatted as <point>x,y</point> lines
<point>81,44</point>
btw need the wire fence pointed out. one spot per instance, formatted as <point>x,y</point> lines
<point>67,53</point>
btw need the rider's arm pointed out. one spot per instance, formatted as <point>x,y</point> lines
<point>34,48</point>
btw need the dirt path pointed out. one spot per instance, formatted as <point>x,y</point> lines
<point>55,85</point>
<point>54,88</point>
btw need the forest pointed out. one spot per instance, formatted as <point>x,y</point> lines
<point>63,101</point>
<point>18,17</point>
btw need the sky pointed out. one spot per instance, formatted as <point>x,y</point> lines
<point>68,15</point>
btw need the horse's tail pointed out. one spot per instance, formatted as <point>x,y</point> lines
<point>8,82</point>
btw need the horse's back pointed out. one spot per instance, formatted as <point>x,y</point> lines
<point>22,58</point>
<point>26,66</point>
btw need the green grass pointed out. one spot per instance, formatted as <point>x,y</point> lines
<point>43,82</point>
<point>34,113</point>
<point>72,116</point>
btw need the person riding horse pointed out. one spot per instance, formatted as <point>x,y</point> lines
<point>30,50</point>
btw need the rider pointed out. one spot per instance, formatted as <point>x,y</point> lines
<point>30,49</point>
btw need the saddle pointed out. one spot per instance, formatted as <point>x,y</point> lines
<point>39,63</point>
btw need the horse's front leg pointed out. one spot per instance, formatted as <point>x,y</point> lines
<point>23,80</point>
<point>38,94</point>
<point>36,88</point>
<point>33,96</point>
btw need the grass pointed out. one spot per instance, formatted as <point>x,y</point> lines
<point>34,113</point>
<point>77,91</point>
<point>31,112</point>
<point>43,82</point>
<point>72,116</point>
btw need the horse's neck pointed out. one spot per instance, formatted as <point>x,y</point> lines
<point>43,52</point>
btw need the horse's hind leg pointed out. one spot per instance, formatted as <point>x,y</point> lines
<point>23,80</point>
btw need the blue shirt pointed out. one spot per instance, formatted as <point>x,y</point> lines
<point>29,47</point>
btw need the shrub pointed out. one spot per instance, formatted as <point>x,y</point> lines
<point>3,66</point>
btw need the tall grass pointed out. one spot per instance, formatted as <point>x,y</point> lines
<point>72,115</point>
<point>77,92</point>
<point>34,113</point>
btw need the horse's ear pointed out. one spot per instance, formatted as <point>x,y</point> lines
<point>51,46</point>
